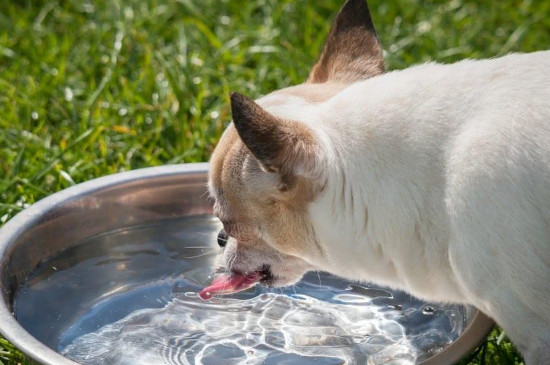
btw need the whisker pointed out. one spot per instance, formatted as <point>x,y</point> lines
<point>209,196</point>
<point>230,262</point>
<point>200,255</point>
<point>205,233</point>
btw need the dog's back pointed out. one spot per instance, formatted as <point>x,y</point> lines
<point>470,140</point>
<point>498,196</point>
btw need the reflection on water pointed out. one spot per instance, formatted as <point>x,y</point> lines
<point>130,297</point>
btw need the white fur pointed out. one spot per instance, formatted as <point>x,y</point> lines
<point>438,183</point>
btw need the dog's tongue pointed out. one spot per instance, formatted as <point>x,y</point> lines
<point>228,284</point>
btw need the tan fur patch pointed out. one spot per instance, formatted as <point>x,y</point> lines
<point>218,157</point>
<point>247,197</point>
<point>313,92</point>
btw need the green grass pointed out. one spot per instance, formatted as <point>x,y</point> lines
<point>89,88</point>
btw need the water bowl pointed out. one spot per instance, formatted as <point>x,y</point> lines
<point>107,272</point>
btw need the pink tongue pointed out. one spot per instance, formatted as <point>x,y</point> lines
<point>227,284</point>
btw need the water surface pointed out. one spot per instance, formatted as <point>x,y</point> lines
<point>130,297</point>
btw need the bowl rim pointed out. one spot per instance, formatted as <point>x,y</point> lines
<point>472,336</point>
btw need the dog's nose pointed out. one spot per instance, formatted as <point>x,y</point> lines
<point>222,238</point>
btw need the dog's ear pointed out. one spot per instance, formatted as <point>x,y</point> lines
<point>280,146</point>
<point>352,51</point>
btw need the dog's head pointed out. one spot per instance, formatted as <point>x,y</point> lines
<point>271,162</point>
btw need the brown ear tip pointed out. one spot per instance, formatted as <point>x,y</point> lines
<point>240,102</point>
<point>236,102</point>
<point>242,105</point>
<point>243,109</point>
<point>357,14</point>
<point>360,2</point>
<point>237,97</point>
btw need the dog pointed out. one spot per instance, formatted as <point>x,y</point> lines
<point>434,180</point>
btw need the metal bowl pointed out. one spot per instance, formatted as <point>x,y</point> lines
<point>108,203</point>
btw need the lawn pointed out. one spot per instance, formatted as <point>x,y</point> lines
<point>93,87</point>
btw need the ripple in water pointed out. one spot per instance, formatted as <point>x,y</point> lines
<point>130,298</point>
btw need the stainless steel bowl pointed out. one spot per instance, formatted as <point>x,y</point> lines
<point>105,204</point>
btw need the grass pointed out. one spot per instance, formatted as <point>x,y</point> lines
<point>93,87</point>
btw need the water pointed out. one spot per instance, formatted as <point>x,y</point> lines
<point>130,297</point>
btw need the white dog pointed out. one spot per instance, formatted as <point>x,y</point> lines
<point>434,180</point>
